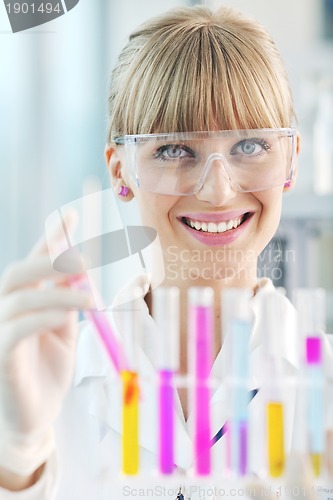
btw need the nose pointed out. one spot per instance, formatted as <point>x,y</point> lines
<point>216,183</point>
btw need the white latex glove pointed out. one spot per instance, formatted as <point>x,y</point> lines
<point>38,331</point>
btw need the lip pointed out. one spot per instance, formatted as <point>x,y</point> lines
<point>217,239</point>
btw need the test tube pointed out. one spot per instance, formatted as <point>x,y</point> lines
<point>200,322</point>
<point>315,402</point>
<point>166,314</point>
<point>102,324</point>
<point>237,321</point>
<point>310,305</point>
<point>271,310</point>
<point>130,325</point>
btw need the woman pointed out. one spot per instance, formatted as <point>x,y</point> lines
<point>189,75</point>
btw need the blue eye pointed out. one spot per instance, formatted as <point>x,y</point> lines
<point>250,147</point>
<point>173,152</point>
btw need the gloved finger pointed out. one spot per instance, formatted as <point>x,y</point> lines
<point>63,226</point>
<point>28,300</point>
<point>12,332</point>
<point>31,272</point>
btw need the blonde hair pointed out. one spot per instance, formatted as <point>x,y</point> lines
<point>191,69</point>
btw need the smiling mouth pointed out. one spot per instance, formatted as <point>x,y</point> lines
<point>215,227</point>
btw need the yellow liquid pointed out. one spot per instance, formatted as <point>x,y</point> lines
<point>316,463</point>
<point>275,441</point>
<point>130,434</point>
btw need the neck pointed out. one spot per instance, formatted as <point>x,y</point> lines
<point>224,269</point>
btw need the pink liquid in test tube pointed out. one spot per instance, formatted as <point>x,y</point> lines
<point>201,324</point>
<point>166,315</point>
<point>111,344</point>
<point>166,422</point>
<point>100,321</point>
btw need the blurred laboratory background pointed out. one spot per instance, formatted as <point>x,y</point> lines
<point>53,102</point>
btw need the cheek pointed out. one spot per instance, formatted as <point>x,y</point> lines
<point>271,202</point>
<point>154,208</point>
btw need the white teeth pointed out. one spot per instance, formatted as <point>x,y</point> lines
<point>212,227</point>
<point>222,227</point>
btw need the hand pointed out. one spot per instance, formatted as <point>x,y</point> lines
<point>38,331</point>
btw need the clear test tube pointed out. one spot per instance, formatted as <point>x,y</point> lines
<point>129,315</point>
<point>238,322</point>
<point>200,338</point>
<point>166,309</point>
<point>315,402</point>
<point>274,379</point>
<point>310,305</point>
<point>329,425</point>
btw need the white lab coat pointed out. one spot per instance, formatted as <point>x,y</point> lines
<point>87,461</point>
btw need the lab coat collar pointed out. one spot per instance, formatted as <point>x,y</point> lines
<point>289,347</point>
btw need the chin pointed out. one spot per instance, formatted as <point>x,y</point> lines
<point>216,272</point>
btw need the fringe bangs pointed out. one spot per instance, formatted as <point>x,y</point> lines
<point>202,76</point>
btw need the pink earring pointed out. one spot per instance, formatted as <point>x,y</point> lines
<point>287,184</point>
<point>123,191</point>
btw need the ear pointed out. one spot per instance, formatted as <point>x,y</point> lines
<point>115,162</point>
<point>291,184</point>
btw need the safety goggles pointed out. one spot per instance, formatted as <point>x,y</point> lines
<point>179,163</point>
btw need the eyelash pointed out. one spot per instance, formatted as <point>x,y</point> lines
<point>254,140</point>
<point>266,147</point>
<point>158,154</point>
